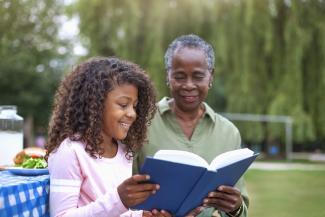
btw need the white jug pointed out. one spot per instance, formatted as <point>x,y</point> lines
<point>11,134</point>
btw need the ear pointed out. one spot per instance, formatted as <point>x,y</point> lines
<point>211,78</point>
<point>167,79</point>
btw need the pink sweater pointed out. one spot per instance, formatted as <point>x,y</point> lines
<point>84,186</point>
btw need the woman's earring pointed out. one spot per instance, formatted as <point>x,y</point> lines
<point>167,83</point>
<point>210,84</point>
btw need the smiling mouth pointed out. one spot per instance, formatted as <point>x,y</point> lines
<point>125,126</point>
<point>190,98</point>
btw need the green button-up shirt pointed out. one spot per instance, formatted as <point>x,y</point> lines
<point>212,136</point>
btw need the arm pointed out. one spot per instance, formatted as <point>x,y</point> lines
<point>66,185</point>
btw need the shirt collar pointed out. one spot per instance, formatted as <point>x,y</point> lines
<point>163,107</point>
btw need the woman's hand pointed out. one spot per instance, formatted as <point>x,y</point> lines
<point>134,191</point>
<point>195,212</point>
<point>226,199</point>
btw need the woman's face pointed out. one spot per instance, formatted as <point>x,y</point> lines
<point>119,111</point>
<point>189,78</point>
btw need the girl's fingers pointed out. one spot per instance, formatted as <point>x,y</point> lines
<point>147,214</point>
<point>165,213</point>
<point>161,213</point>
<point>143,187</point>
<point>140,195</point>
<point>138,178</point>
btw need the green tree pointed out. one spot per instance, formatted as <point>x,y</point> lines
<point>269,54</point>
<point>31,58</point>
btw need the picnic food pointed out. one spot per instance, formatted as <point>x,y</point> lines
<point>32,157</point>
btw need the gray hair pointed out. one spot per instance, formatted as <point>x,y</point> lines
<point>191,41</point>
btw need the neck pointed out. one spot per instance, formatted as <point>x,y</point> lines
<point>110,147</point>
<point>187,120</point>
<point>187,115</point>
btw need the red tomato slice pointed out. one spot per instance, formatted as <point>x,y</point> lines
<point>34,156</point>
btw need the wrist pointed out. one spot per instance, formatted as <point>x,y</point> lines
<point>236,212</point>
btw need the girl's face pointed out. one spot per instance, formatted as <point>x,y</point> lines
<point>189,78</point>
<point>119,111</point>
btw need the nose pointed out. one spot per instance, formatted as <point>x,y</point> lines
<point>189,84</point>
<point>131,113</point>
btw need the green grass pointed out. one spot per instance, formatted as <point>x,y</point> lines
<point>286,193</point>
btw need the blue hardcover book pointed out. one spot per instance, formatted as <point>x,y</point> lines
<point>186,178</point>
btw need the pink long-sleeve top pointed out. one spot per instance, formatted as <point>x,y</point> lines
<point>83,186</point>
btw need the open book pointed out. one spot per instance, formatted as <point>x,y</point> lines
<point>186,178</point>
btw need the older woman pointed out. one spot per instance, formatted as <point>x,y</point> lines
<point>186,122</point>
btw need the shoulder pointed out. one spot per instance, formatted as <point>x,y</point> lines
<point>162,109</point>
<point>68,147</point>
<point>67,153</point>
<point>162,106</point>
<point>65,160</point>
<point>224,122</point>
<point>221,124</point>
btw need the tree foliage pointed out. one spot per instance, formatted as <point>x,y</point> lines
<point>31,63</point>
<point>269,54</point>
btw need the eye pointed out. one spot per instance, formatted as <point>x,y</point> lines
<point>199,76</point>
<point>179,77</point>
<point>123,105</point>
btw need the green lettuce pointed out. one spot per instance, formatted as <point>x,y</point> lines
<point>34,163</point>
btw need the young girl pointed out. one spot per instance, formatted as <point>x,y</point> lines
<point>100,117</point>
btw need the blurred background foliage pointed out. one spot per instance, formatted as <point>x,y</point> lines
<point>270,54</point>
<point>30,61</point>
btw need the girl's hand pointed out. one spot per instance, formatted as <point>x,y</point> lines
<point>134,191</point>
<point>147,214</point>
<point>226,199</point>
<point>161,213</point>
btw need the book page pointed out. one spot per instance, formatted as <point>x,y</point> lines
<point>183,157</point>
<point>229,157</point>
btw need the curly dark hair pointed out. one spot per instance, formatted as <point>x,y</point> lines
<point>79,104</point>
